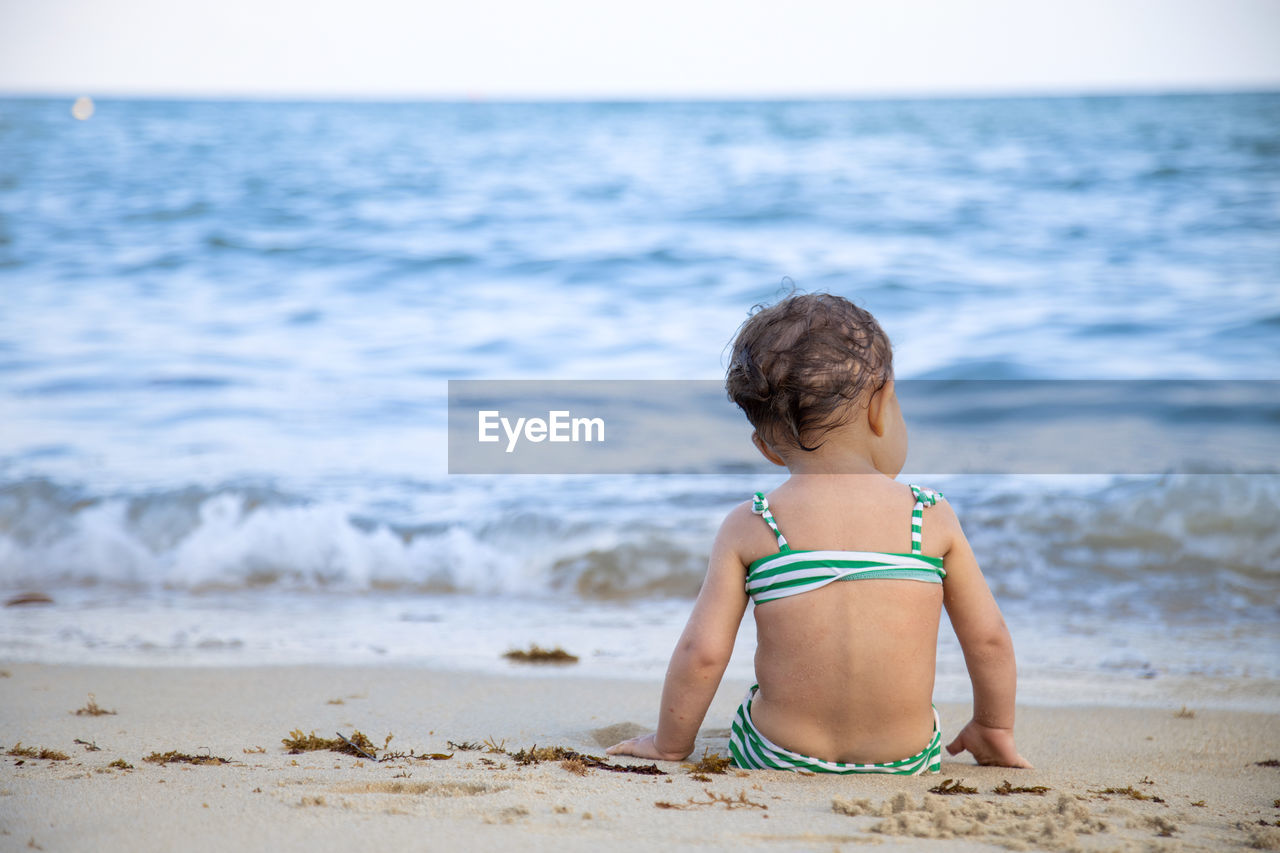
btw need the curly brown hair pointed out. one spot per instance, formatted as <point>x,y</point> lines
<point>796,366</point>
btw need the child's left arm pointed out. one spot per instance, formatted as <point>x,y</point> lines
<point>988,652</point>
<point>702,654</point>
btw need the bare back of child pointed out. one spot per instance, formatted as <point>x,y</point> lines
<point>844,670</point>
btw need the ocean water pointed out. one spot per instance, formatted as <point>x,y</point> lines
<point>226,330</point>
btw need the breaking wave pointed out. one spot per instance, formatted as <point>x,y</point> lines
<point>1180,547</point>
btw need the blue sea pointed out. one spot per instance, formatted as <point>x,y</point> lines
<point>226,330</point>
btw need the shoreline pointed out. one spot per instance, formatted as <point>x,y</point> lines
<point>1167,760</point>
<point>1060,663</point>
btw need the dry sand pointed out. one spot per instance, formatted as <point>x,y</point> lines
<point>1197,782</point>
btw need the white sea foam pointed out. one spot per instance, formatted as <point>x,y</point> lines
<point>1185,548</point>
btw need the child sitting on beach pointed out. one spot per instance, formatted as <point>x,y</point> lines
<point>845,671</point>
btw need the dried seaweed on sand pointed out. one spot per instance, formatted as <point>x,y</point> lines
<point>711,762</point>
<point>1130,792</point>
<point>537,654</point>
<point>175,757</point>
<point>739,802</point>
<point>20,751</point>
<point>1005,788</point>
<point>952,786</point>
<point>577,760</point>
<point>92,709</point>
<point>358,744</point>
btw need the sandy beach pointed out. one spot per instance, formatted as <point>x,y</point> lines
<point>1118,778</point>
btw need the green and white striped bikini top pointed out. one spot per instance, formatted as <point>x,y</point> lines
<point>791,572</point>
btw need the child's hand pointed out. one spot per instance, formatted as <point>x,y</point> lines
<point>644,746</point>
<point>988,745</point>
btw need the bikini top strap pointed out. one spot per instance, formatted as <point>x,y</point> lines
<point>760,506</point>
<point>924,498</point>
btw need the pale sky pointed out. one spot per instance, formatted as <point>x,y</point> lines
<point>629,49</point>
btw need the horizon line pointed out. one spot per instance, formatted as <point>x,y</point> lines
<point>1252,88</point>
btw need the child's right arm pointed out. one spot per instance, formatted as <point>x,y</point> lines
<point>703,652</point>
<point>988,651</point>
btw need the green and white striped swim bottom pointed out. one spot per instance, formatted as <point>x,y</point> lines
<point>752,750</point>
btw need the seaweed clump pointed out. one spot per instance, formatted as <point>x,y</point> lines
<point>175,757</point>
<point>537,754</point>
<point>92,709</point>
<point>739,802</point>
<point>712,762</point>
<point>1004,789</point>
<point>537,654</point>
<point>121,764</point>
<point>951,787</point>
<point>411,754</point>
<point>26,599</point>
<point>464,746</point>
<point>1130,792</point>
<point>577,766</point>
<point>358,744</point>
<point>638,769</point>
<point>20,751</point>
<point>577,762</point>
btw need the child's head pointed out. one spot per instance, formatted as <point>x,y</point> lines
<point>797,367</point>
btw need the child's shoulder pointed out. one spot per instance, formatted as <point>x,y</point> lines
<point>931,514</point>
<point>745,531</point>
<point>939,509</point>
<point>742,520</point>
<point>941,525</point>
<point>930,496</point>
